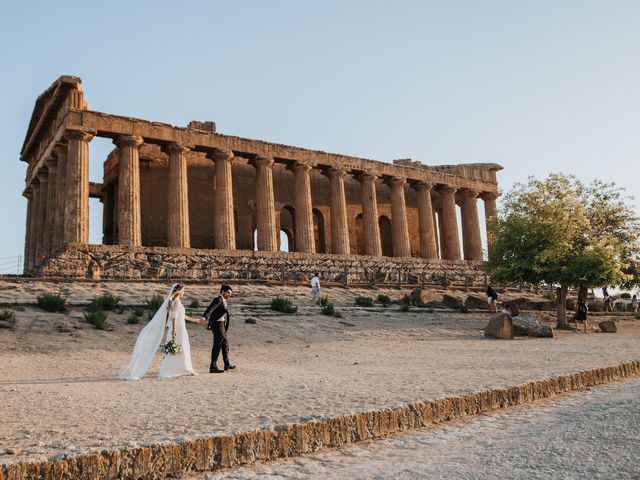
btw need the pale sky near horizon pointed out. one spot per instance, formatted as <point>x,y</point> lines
<point>537,86</point>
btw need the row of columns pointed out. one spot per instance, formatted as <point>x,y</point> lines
<point>64,183</point>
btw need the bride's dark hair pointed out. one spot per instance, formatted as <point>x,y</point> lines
<point>178,287</point>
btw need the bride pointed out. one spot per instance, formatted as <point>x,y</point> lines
<point>169,318</point>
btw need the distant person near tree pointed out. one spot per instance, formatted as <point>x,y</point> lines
<point>634,303</point>
<point>581,313</point>
<point>608,307</point>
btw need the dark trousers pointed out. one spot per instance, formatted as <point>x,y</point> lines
<point>219,343</point>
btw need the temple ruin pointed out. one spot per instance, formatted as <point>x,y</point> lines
<point>191,203</point>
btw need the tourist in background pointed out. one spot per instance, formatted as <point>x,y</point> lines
<point>634,303</point>
<point>608,307</point>
<point>581,313</point>
<point>315,288</point>
<point>492,299</point>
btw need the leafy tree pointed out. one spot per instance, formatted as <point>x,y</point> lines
<point>558,231</point>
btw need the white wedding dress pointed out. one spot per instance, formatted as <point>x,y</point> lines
<point>151,337</point>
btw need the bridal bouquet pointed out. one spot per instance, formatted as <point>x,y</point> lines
<point>171,348</point>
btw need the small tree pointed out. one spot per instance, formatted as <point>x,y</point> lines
<point>560,232</point>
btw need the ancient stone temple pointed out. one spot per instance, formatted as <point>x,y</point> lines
<point>188,202</point>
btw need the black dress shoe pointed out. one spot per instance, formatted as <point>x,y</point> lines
<point>229,367</point>
<point>216,370</point>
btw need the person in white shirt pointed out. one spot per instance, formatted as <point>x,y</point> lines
<point>315,288</point>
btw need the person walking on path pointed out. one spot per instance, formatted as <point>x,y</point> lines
<point>581,313</point>
<point>634,303</point>
<point>315,288</point>
<point>217,318</point>
<point>492,299</point>
<point>607,301</point>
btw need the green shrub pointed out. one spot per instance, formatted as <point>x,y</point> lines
<point>52,302</point>
<point>283,305</point>
<point>364,301</point>
<point>133,319</point>
<point>337,314</point>
<point>324,301</point>
<point>407,300</point>
<point>106,302</point>
<point>97,319</point>
<point>405,307</point>
<point>8,319</point>
<point>250,320</point>
<point>154,303</point>
<point>138,312</point>
<point>385,300</point>
<point>625,295</point>
<point>328,309</point>
<point>195,303</point>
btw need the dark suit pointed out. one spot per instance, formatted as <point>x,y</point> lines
<point>214,314</point>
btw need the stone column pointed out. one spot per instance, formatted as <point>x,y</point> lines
<point>76,200</point>
<point>52,210</point>
<point>224,236</point>
<point>490,212</point>
<point>338,206</point>
<point>472,244</point>
<point>60,151</point>
<point>371,229</point>
<point>178,197</point>
<point>428,246</point>
<point>450,238</point>
<point>399,226</point>
<point>41,216</point>
<point>129,224</point>
<point>28,237</point>
<point>304,235</point>
<point>265,205</point>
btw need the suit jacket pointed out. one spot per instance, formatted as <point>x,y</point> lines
<point>215,311</point>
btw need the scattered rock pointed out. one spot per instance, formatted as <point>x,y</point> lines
<point>423,296</point>
<point>531,326</point>
<point>13,451</point>
<point>475,301</point>
<point>608,326</point>
<point>595,306</point>
<point>620,306</point>
<point>453,301</point>
<point>499,326</point>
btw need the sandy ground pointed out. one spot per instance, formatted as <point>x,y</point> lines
<point>60,394</point>
<point>590,434</point>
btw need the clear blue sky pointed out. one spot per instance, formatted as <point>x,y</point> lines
<point>538,86</point>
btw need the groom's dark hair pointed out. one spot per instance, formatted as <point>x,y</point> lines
<point>225,288</point>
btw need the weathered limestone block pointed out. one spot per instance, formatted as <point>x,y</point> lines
<point>499,326</point>
<point>476,301</point>
<point>620,306</point>
<point>453,301</point>
<point>422,296</point>
<point>608,326</point>
<point>595,307</point>
<point>545,305</point>
<point>531,326</point>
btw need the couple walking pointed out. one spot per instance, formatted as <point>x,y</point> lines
<point>169,322</point>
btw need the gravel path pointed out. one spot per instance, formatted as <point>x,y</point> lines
<point>591,434</point>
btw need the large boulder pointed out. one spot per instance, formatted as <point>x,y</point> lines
<point>499,326</point>
<point>453,301</point>
<point>572,304</point>
<point>595,307</point>
<point>545,305</point>
<point>476,301</point>
<point>531,326</point>
<point>608,326</point>
<point>423,296</point>
<point>620,306</point>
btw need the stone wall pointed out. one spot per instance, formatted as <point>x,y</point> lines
<point>207,454</point>
<point>119,262</point>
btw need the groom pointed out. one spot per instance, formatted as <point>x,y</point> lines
<point>217,317</point>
